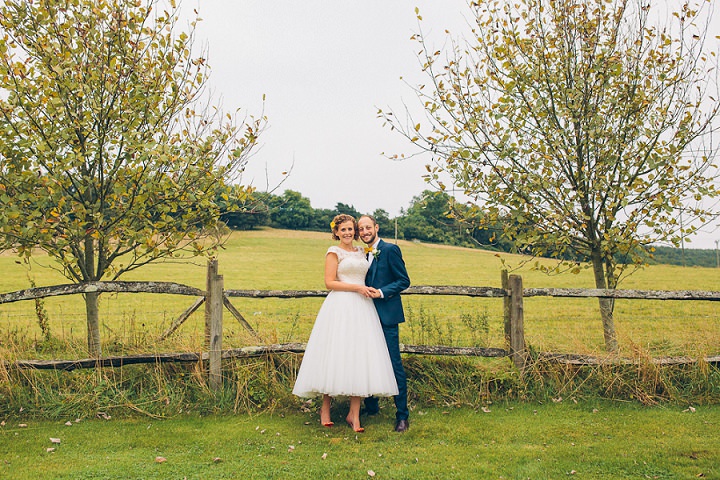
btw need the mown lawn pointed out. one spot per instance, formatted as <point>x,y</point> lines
<point>590,440</point>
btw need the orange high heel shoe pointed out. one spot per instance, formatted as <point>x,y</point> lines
<point>327,424</point>
<point>352,425</point>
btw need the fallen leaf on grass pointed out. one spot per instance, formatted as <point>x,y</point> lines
<point>217,460</point>
<point>690,409</point>
<point>160,459</point>
<point>371,473</point>
<point>291,448</point>
<point>22,425</point>
<point>54,440</point>
<point>324,456</point>
<point>50,449</point>
<point>485,409</point>
<point>68,423</point>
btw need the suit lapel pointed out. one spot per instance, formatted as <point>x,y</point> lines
<point>373,264</point>
<point>371,272</point>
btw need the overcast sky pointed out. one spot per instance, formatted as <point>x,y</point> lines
<point>324,67</point>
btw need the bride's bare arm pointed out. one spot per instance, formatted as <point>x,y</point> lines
<point>332,282</point>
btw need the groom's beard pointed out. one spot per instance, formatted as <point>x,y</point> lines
<point>370,241</point>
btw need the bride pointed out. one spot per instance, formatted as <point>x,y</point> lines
<point>346,354</point>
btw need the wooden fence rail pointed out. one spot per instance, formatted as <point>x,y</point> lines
<point>626,294</point>
<point>100,287</point>
<point>416,290</point>
<point>216,298</point>
<point>180,289</point>
<point>262,350</point>
<point>245,352</point>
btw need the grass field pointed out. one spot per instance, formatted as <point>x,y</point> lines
<point>471,418</point>
<point>593,440</point>
<point>279,259</point>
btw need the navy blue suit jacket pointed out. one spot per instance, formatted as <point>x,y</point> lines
<point>388,273</point>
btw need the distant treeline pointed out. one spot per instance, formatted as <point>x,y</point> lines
<point>690,257</point>
<point>428,218</point>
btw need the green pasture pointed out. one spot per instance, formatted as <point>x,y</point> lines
<point>470,417</point>
<point>592,440</point>
<point>279,259</point>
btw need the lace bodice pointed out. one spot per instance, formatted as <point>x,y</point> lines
<point>352,266</point>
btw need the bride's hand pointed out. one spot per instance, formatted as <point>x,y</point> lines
<point>374,292</point>
<point>365,291</point>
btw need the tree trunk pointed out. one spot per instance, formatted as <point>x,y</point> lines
<point>607,305</point>
<point>93,324</point>
<point>91,300</point>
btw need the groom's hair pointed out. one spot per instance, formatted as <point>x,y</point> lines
<point>372,219</point>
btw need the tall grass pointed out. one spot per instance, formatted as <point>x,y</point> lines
<point>272,259</point>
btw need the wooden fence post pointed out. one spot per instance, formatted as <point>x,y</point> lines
<point>212,270</point>
<point>506,307</point>
<point>213,323</point>
<point>517,323</point>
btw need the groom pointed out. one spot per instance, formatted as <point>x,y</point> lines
<point>387,274</point>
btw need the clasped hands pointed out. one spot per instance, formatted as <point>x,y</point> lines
<point>369,292</point>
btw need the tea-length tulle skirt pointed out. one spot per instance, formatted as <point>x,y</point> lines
<point>346,354</point>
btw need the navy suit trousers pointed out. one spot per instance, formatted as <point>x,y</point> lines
<point>392,338</point>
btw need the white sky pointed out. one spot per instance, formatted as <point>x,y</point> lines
<point>324,68</point>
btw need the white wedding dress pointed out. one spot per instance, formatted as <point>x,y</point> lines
<point>346,354</point>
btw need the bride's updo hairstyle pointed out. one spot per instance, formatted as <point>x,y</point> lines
<point>342,218</point>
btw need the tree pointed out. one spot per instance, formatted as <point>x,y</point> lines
<point>427,219</point>
<point>110,159</point>
<point>580,122</point>
<point>321,219</point>
<point>242,208</point>
<point>346,209</point>
<point>387,226</point>
<point>482,231</point>
<point>291,210</point>
<point>323,216</point>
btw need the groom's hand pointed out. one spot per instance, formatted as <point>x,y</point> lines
<point>369,292</point>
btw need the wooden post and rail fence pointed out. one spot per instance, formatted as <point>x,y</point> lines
<point>216,299</point>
